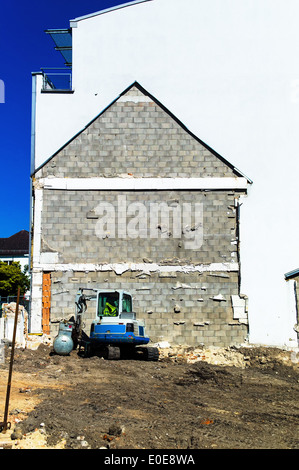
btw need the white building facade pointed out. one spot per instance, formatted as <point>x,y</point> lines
<point>235,89</point>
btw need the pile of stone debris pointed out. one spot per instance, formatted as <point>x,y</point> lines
<point>242,356</point>
<point>213,355</point>
<point>7,320</point>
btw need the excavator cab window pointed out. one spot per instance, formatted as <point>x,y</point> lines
<point>108,305</point>
<point>127,303</point>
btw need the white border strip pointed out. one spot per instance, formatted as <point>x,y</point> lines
<point>143,184</point>
<point>73,22</point>
<point>37,225</point>
<point>120,268</point>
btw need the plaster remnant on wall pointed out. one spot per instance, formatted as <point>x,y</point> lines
<point>38,183</point>
<point>218,298</point>
<point>179,285</point>
<point>191,228</point>
<point>239,305</point>
<point>167,275</point>
<point>142,183</point>
<point>92,215</point>
<point>120,268</point>
<point>45,247</point>
<point>231,212</point>
<point>173,202</point>
<point>163,228</point>
<point>226,276</point>
<point>142,275</point>
<point>49,257</point>
<point>61,292</point>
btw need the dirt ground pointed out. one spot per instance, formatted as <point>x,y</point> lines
<point>234,398</point>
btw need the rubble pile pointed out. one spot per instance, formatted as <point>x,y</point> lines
<point>7,323</point>
<point>9,311</point>
<point>212,355</point>
<point>243,356</point>
<point>34,341</point>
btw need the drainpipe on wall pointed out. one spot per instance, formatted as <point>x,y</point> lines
<point>32,168</point>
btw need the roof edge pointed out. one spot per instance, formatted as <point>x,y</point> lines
<point>291,274</point>
<point>14,234</point>
<point>180,123</point>
<point>73,22</point>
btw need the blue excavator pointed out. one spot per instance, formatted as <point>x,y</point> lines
<point>115,333</point>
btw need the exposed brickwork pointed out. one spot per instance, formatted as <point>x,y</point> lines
<point>142,139</point>
<point>67,228</point>
<point>137,138</point>
<point>200,320</point>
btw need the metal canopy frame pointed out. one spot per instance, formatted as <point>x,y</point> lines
<point>63,43</point>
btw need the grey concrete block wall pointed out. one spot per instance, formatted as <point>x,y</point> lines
<point>144,140</point>
<point>68,229</point>
<point>141,139</point>
<point>199,321</point>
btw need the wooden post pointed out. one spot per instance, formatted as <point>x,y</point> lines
<point>5,424</point>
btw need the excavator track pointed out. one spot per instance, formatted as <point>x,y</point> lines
<point>113,353</point>
<point>148,353</point>
<point>151,354</point>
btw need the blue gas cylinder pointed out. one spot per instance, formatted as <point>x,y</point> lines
<point>63,343</point>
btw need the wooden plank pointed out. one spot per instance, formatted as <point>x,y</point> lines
<point>46,303</point>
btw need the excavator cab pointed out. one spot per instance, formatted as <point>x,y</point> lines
<point>108,304</point>
<point>115,328</point>
<point>115,304</point>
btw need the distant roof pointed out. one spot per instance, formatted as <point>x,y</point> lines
<point>17,244</point>
<point>107,10</point>
<point>291,274</point>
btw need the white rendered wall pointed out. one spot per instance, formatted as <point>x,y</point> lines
<point>228,70</point>
<point>23,260</point>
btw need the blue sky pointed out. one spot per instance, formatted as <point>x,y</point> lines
<point>25,48</point>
